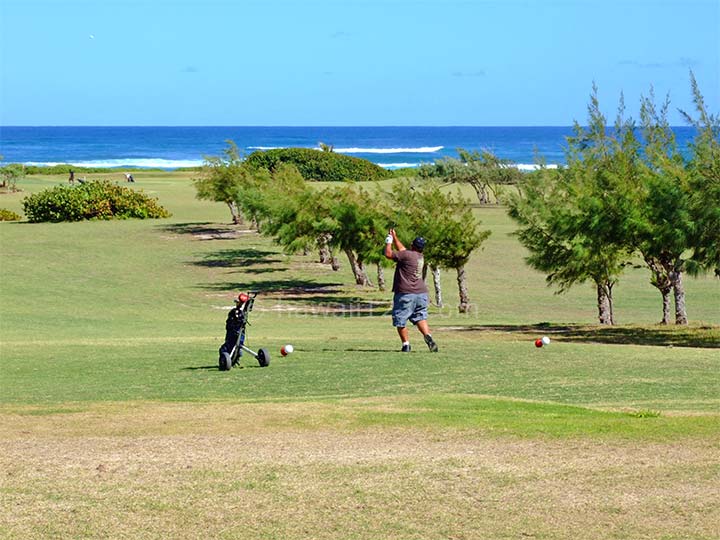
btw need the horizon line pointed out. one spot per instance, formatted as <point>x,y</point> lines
<point>299,126</point>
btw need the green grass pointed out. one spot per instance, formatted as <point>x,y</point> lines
<point>132,310</point>
<point>603,376</point>
<point>108,354</point>
<point>531,419</point>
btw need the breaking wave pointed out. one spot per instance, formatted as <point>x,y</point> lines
<point>419,150</point>
<point>139,163</point>
<point>358,150</point>
<point>398,165</point>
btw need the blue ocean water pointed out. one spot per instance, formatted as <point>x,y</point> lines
<point>173,147</point>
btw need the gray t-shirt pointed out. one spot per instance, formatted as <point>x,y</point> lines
<point>408,272</point>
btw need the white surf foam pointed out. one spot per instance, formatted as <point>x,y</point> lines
<point>534,166</point>
<point>398,165</point>
<point>419,150</point>
<point>142,163</point>
<point>359,150</point>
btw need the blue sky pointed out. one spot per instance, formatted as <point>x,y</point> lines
<point>348,62</point>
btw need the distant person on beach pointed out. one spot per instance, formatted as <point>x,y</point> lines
<point>410,301</point>
<point>72,177</point>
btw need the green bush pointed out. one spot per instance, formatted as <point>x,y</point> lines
<point>403,172</point>
<point>65,169</point>
<point>92,200</point>
<point>9,215</point>
<point>318,165</point>
<point>10,174</point>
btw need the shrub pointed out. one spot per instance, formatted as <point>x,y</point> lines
<point>403,172</point>
<point>10,174</point>
<point>9,215</point>
<point>92,200</point>
<point>65,169</point>
<point>319,165</point>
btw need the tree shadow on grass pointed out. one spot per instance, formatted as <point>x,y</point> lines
<point>240,258</point>
<point>273,286</point>
<point>657,336</point>
<point>298,297</point>
<point>207,230</point>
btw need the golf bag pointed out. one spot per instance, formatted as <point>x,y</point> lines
<point>235,333</point>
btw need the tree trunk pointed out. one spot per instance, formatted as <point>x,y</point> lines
<point>673,268</point>
<point>609,287</point>
<point>494,193</point>
<point>323,243</point>
<point>380,277</point>
<point>358,270</point>
<point>679,292</point>
<point>436,283</point>
<point>480,192</point>
<point>604,303</point>
<point>464,306</point>
<point>236,217</point>
<point>666,305</point>
<point>324,256</point>
<point>365,278</point>
<point>661,282</point>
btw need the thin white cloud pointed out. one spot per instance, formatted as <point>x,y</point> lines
<point>463,74</point>
<point>683,62</point>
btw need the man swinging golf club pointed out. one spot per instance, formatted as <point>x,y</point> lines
<point>410,301</point>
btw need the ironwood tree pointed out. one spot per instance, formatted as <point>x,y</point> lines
<point>483,171</point>
<point>222,179</point>
<point>704,183</point>
<point>571,219</point>
<point>447,223</point>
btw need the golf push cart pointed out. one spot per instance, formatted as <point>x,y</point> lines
<point>237,321</point>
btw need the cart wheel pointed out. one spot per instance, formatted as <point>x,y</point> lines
<point>225,362</point>
<point>263,358</point>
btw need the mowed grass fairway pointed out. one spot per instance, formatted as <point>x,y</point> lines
<point>116,423</point>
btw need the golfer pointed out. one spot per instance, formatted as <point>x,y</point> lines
<point>410,301</point>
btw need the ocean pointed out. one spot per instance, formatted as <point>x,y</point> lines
<point>175,147</point>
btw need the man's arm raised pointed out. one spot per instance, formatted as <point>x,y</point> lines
<point>389,241</point>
